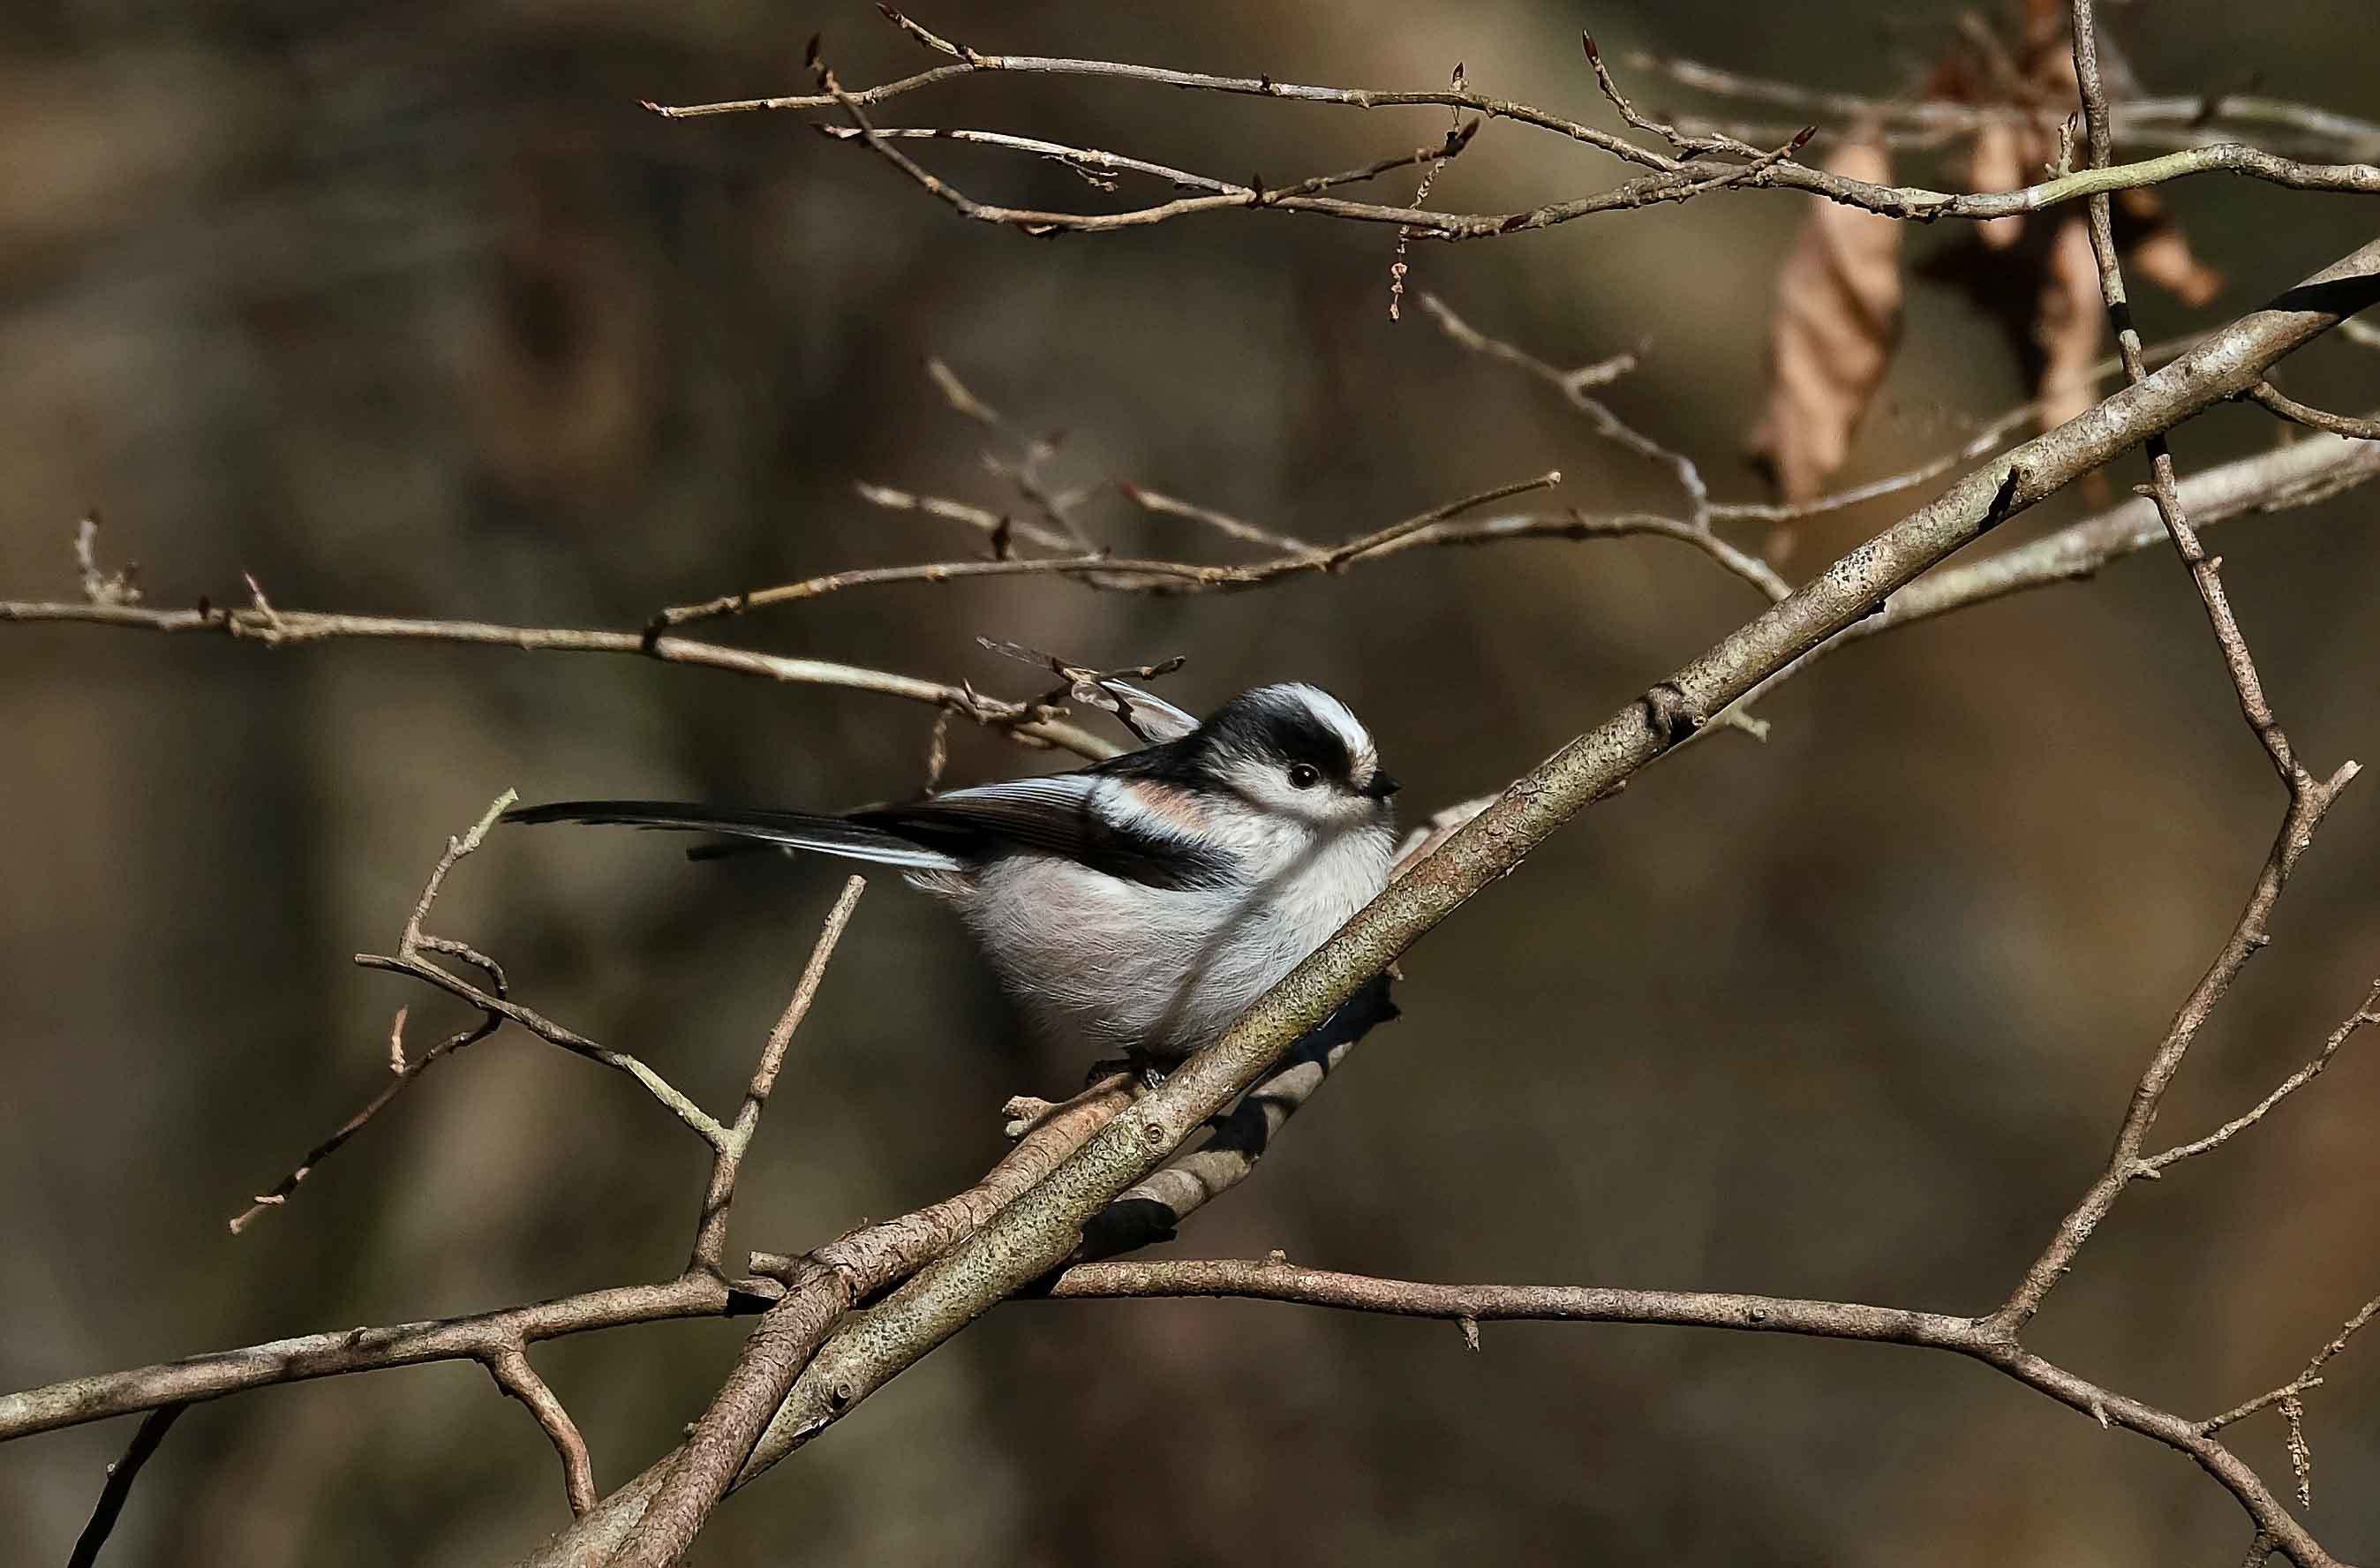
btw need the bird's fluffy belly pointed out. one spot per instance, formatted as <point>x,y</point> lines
<point>1112,965</point>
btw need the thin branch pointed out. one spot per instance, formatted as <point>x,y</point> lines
<point>705,1125</point>
<point>407,1070</point>
<point>120,1476</point>
<point>2310,800</point>
<point>2205,572</point>
<point>1122,573</point>
<point>2304,1381</point>
<point>408,960</point>
<point>510,1369</point>
<point>1304,196</point>
<point>2170,121</point>
<point>1574,385</point>
<point>2071,553</point>
<point>1381,540</point>
<point>2272,398</point>
<point>291,626</point>
<point>711,1232</point>
<point>1092,158</point>
<point>998,525</point>
<point>2290,1398</point>
<point>891,1248</point>
<point>970,61</point>
<point>343,1350</point>
<point>1984,440</point>
<point>1670,178</point>
<point>2363,1016</point>
<point>1098,564</point>
<point>1230,527</point>
<point>1275,1279</point>
<point>411,942</point>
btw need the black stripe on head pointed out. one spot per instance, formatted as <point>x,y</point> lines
<point>1277,725</point>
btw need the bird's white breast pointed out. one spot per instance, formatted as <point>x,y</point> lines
<point>1114,966</point>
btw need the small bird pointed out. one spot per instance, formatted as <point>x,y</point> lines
<point>1137,907</point>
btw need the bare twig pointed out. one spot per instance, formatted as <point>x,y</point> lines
<point>1275,1279</point>
<point>1670,179</point>
<point>1097,566</point>
<point>2204,571</point>
<point>2310,799</point>
<point>1576,524</point>
<point>1091,159</point>
<point>405,1071</point>
<point>711,1230</point>
<point>1574,385</point>
<point>343,1350</point>
<point>411,942</point>
<point>2287,407</point>
<point>955,391</point>
<point>2366,1016</point>
<point>1357,548</point>
<point>509,1367</point>
<point>1304,196</point>
<point>1116,572</point>
<point>1230,527</point>
<point>291,626</point>
<point>407,960</point>
<point>998,525</point>
<point>704,1125</point>
<point>2304,1381</point>
<point>1678,139</point>
<point>120,1476</point>
<point>2166,122</point>
<point>2290,1398</point>
<point>897,1245</point>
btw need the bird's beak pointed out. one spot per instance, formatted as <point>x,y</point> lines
<point>1382,786</point>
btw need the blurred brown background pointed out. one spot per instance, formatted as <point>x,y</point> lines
<point>414,311</point>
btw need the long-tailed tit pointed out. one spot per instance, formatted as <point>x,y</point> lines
<point>1140,905</point>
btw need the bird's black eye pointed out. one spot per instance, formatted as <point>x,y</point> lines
<point>1303,776</point>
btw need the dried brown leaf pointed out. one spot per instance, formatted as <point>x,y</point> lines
<point>1997,162</point>
<point>2155,249</point>
<point>2069,325</point>
<point>1837,318</point>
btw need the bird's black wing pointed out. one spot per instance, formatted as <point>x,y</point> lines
<point>1082,817</point>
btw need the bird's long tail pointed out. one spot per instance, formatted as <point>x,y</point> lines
<point>791,830</point>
